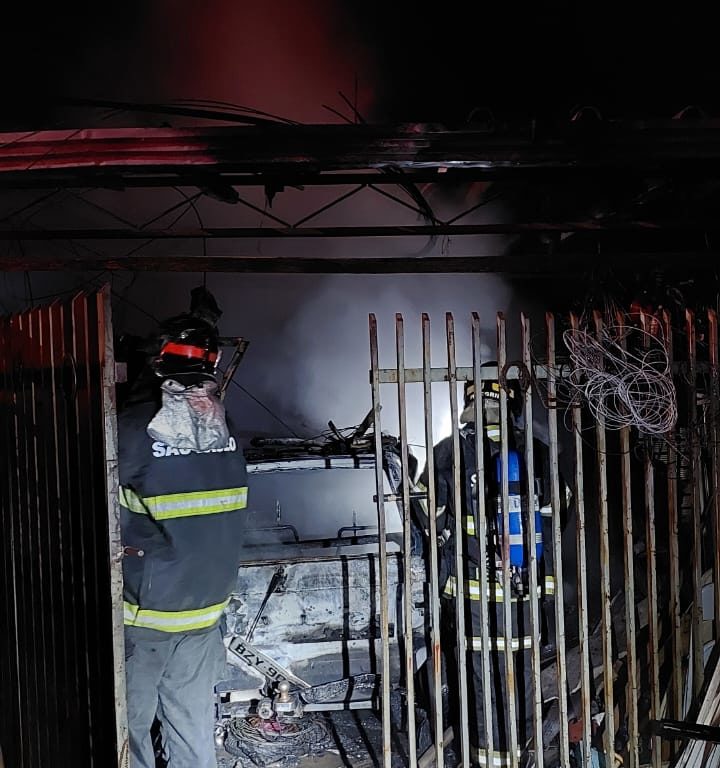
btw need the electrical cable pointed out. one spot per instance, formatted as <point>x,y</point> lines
<point>621,387</point>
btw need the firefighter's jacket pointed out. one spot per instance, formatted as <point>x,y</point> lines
<point>181,516</point>
<point>444,493</point>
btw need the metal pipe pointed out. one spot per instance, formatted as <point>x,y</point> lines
<point>631,697</point>
<point>507,593</point>
<point>674,549</point>
<point>653,629</point>
<point>432,534</point>
<point>557,541</point>
<point>532,550</point>
<point>382,546</point>
<point>697,611</point>
<point>585,660</point>
<point>459,513</point>
<point>714,437</point>
<point>605,570</point>
<point>407,543</point>
<point>481,531</point>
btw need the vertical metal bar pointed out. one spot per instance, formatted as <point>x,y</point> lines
<point>507,590</point>
<point>605,571</point>
<point>585,661</point>
<point>532,546</point>
<point>432,534</point>
<point>64,519</point>
<point>105,738</point>
<point>557,541</point>
<point>21,343</point>
<point>407,542</point>
<point>460,514</point>
<point>629,568</point>
<point>481,529</point>
<point>382,543</point>
<point>115,550</point>
<point>37,509</point>
<point>674,550</point>
<point>697,610</point>
<point>714,436</point>
<point>15,749</point>
<point>83,471</point>
<point>654,671</point>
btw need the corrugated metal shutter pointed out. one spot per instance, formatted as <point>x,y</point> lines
<point>61,657</point>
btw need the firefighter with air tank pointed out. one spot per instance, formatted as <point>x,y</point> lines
<point>447,508</point>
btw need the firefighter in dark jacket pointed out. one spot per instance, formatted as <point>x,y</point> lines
<point>474,620</point>
<point>183,491</point>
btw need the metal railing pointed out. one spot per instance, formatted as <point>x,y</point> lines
<point>632,552</point>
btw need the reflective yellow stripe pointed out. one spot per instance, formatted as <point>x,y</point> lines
<point>498,643</point>
<point>495,590</point>
<point>499,759</point>
<point>185,504</point>
<point>174,621</point>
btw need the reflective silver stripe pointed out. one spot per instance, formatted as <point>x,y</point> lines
<point>173,621</point>
<point>500,759</point>
<point>498,643</point>
<point>495,590</point>
<point>185,504</point>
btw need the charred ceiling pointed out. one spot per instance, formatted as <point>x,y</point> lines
<point>525,198</point>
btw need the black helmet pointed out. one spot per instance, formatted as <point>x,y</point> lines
<point>490,389</point>
<point>188,346</point>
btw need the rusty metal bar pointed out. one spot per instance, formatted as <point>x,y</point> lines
<point>532,532</point>
<point>407,544</point>
<point>585,660</point>
<point>697,610</point>
<point>557,542</point>
<point>43,531</point>
<point>115,548</point>
<point>674,550</point>
<point>434,590</point>
<point>714,437</point>
<point>462,373</point>
<point>460,513</point>
<point>653,629</point>
<point>481,531</point>
<point>507,590</point>
<point>21,343</point>
<point>632,692</point>
<point>13,712</point>
<point>605,571</point>
<point>382,545</point>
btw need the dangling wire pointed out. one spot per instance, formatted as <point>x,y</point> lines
<point>625,388</point>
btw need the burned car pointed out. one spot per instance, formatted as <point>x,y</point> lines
<point>303,623</point>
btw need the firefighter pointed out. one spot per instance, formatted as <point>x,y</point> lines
<point>183,489</point>
<point>474,620</point>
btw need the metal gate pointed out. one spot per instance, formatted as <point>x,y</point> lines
<point>62,699</point>
<point>632,483</point>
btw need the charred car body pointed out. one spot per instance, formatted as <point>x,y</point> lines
<point>303,624</point>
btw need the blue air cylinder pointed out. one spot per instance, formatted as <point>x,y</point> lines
<point>517,544</point>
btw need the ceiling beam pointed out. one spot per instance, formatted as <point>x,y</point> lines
<point>636,227</point>
<point>653,146</point>
<point>517,264</point>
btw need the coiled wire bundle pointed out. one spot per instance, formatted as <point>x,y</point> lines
<point>624,376</point>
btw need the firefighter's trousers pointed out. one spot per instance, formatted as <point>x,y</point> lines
<point>173,678</point>
<point>498,686</point>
